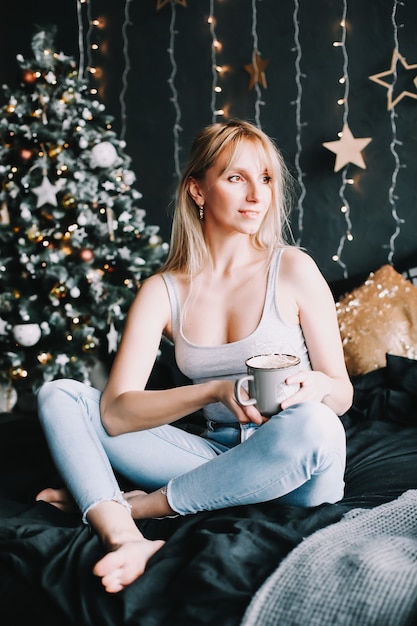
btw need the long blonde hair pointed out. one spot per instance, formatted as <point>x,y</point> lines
<point>188,250</point>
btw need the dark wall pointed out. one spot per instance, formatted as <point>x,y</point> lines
<point>157,81</point>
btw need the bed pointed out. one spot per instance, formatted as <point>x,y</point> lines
<point>265,564</point>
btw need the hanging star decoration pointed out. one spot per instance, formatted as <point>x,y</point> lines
<point>46,192</point>
<point>112,337</point>
<point>256,70</point>
<point>409,72</point>
<point>162,3</point>
<point>348,149</point>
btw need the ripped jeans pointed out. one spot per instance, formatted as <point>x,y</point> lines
<point>297,456</point>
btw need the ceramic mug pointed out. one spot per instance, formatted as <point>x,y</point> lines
<point>266,378</point>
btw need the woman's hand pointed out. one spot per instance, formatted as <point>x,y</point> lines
<point>244,414</point>
<point>313,386</point>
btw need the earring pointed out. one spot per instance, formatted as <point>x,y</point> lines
<point>201,212</point>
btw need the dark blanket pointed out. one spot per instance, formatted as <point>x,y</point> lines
<point>212,563</point>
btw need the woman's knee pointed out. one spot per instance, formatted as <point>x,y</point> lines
<point>312,424</point>
<point>55,396</point>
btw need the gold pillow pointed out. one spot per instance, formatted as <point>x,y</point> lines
<point>378,317</point>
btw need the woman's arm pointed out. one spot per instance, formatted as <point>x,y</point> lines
<point>125,404</point>
<point>329,381</point>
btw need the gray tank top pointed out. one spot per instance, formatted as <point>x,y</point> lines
<point>227,361</point>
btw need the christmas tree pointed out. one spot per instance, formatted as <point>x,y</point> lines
<point>74,245</point>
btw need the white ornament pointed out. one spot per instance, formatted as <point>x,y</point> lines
<point>103,154</point>
<point>129,177</point>
<point>27,334</point>
<point>75,292</point>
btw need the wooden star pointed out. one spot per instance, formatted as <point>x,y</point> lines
<point>4,213</point>
<point>348,149</point>
<point>256,70</point>
<point>162,3</point>
<point>396,56</point>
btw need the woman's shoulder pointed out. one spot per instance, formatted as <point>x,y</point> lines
<point>152,287</point>
<point>164,282</point>
<point>299,267</point>
<point>296,259</point>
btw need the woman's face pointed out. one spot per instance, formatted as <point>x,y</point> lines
<point>236,193</point>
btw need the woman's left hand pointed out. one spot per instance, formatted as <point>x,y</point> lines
<point>314,386</point>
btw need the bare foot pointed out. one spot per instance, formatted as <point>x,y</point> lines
<point>119,568</point>
<point>60,498</point>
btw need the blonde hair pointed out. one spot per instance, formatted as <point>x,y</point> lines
<point>188,250</point>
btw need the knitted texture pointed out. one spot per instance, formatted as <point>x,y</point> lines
<point>361,571</point>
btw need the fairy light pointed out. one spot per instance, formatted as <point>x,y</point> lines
<point>299,124</point>
<point>90,45</point>
<point>393,148</point>
<point>127,68</point>
<point>345,208</point>
<point>216,69</point>
<point>174,97</point>
<point>258,102</point>
<point>91,68</point>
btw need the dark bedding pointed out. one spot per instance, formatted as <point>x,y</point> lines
<point>212,563</point>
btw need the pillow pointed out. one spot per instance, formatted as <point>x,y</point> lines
<point>377,318</point>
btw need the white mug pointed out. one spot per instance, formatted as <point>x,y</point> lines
<point>266,376</point>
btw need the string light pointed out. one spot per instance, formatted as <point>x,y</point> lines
<point>91,68</point>
<point>299,125</point>
<point>81,51</point>
<point>216,69</point>
<point>393,144</point>
<point>345,208</point>
<point>174,97</point>
<point>127,68</point>
<point>90,45</point>
<point>258,102</point>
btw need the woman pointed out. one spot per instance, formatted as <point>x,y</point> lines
<point>230,288</point>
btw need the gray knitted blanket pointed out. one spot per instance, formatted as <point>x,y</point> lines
<point>361,571</point>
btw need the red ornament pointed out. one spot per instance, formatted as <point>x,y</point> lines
<point>29,77</point>
<point>26,154</point>
<point>86,255</point>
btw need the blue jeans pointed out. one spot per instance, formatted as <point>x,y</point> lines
<point>297,456</point>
